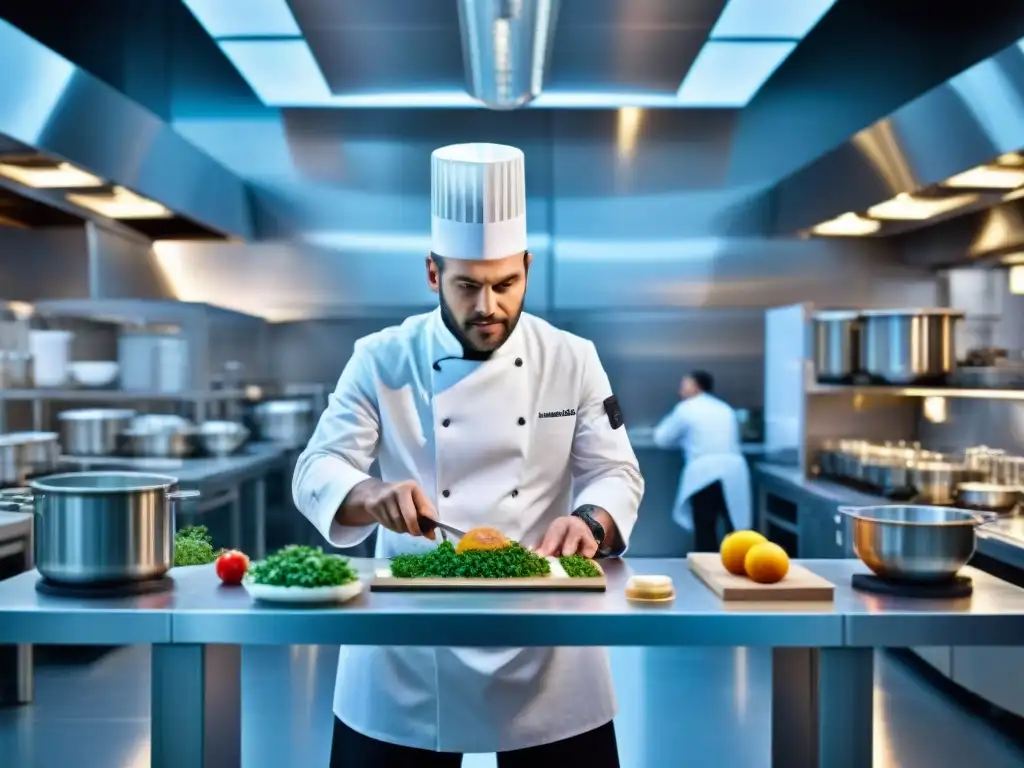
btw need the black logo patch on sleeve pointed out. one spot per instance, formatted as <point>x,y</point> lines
<point>611,407</point>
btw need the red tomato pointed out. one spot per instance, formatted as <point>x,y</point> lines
<point>231,566</point>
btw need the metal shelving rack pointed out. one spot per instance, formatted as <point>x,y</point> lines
<point>980,394</point>
<point>200,400</point>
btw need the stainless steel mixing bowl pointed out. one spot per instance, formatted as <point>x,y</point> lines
<point>915,543</point>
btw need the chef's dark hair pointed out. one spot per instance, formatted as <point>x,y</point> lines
<point>704,381</point>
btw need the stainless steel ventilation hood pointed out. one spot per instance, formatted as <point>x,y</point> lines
<point>974,120</point>
<point>506,45</point>
<point>57,112</point>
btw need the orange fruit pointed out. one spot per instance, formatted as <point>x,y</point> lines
<point>734,549</point>
<point>482,538</point>
<point>766,563</point>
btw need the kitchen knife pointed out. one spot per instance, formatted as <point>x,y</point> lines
<point>427,525</point>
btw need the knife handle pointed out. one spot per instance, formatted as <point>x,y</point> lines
<point>426,524</point>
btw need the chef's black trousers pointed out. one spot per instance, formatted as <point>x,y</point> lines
<point>594,749</point>
<point>708,508</point>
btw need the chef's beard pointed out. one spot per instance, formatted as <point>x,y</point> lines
<point>460,331</point>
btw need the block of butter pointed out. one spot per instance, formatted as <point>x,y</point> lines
<point>650,588</point>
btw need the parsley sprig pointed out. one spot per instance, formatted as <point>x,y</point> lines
<point>299,566</point>
<point>193,545</point>
<point>579,567</point>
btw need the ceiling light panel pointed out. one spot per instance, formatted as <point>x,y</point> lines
<point>987,177</point>
<point>727,74</point>
<point>769,19</point>
<point>60,176</point>
<point>283,73</point>
<point>904,207</point>
<point>847,225</point>
<point>120,203</point>
<point>245,18</point>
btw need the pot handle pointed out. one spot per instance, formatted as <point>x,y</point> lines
<point>179,495</point>
<point>984,518</point>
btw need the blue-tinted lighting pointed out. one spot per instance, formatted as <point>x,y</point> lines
<point>281,72</point>
<point>769,19</point>
<point>245,18</point>
<point>728,74</point>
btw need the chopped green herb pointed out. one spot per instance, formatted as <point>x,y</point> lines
<point>298,566</point>
<point>511,562</point>
<point>193,546</point>
<point>579,567</point>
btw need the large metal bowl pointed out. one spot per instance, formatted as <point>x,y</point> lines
<point>912,542</point>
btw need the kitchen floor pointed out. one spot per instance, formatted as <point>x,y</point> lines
<point>679,708</point>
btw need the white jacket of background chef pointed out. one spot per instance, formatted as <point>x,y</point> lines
<point>512,442</point>
<point>707,431</point>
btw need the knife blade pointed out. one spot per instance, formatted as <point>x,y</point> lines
<point>427,525</point>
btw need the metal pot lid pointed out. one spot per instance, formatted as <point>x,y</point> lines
<point>837,314</point>
<point>986,488</point>
<point>284,406</point>
<point>30,437</point>
<point>97,413</point>
<point>925,311</point>
<point>103,482</point>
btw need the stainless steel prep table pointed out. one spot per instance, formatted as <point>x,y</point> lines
<point>238,480</point>
<point>823,652</point>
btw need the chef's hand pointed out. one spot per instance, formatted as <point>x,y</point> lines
<point>568,536</point>
<point>396,506</point>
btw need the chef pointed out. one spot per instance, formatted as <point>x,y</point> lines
<point>714,489</point>
<point>478,414</point>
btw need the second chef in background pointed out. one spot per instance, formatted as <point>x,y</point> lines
<point>714,489</point>
<point>479,414</point>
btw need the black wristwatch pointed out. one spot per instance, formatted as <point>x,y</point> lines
<point>586,514</point>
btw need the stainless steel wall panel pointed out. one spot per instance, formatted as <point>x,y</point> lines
<point>123,266</point>
<point>43,263</point>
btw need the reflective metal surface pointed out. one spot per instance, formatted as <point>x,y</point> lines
<point>93,527</point>
<point>93,431</point>
<point>27,453</point>
<point>836,345</point>
<point>913,543</point>
<point>987,496</point>
<point>221,438</point>
<point>288,422</point>
<point>967,121</point>
<point>158,443</point>
<point>907,347</point>
<point>506,47</point>
<point>63,111</point>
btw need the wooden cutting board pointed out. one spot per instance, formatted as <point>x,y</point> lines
<point>383,581</point>
<point>799,584</point>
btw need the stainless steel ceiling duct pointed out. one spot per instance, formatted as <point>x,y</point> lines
<point>974,119</point>
<point>62,112</point>
<point>506,45</point>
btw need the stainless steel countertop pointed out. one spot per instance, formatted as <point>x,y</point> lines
<point>1002,540</point>
<point>200,610</point>
<point>252,460</point>
<point>642,438</point>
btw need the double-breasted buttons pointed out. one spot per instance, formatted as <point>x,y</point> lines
<point>515,492</point>
<point>519,362</point>
<point>446,493</point>
<point>446,423</point>
<point>522,421</point>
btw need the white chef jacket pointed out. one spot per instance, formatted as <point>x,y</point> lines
<point>512,442</point>
<point>707,431</point>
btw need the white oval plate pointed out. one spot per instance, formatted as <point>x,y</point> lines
<point>273,594</point>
